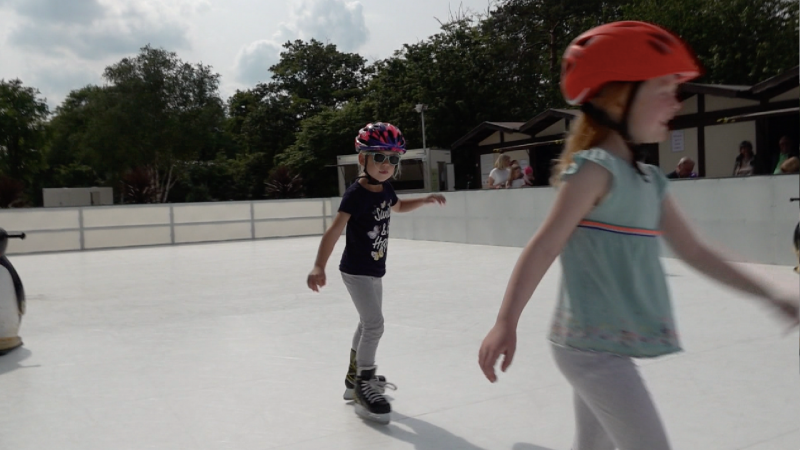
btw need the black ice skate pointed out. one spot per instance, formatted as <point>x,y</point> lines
<point>370,402</point>
<point>350,380</point>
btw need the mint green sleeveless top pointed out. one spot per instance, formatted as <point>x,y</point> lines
<point>614,296</point>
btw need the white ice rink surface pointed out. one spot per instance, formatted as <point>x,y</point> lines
<point>222,346</point>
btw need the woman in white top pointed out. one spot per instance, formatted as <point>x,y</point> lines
<point>500,174</point>
<point>745,160</point>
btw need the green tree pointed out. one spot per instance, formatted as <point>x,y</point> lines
<point>68,129</point>
<point>451,73</point>
<point>23,115</point>
<point>158,110</point>
<point>321,138</point>
<point>316,75</point>
<point>310,78</point>
<point>267,126</point>
<point>737,41</point>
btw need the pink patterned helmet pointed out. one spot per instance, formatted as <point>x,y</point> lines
<point>380,137</point>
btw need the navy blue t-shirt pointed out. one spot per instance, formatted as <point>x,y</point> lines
<point>367,230</point>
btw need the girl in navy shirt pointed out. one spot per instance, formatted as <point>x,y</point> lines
<point>366,208</point>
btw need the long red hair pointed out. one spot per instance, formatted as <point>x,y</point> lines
<point>585,132</point>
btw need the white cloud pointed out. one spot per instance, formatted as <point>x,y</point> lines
<point>73,11</point>
<point>89,29</point>
<point>335,21</point>
<point>61,45</point>
<point>254,61</point>
<point>55,81</point>
<point>112,38</point>
<point>53,45</point>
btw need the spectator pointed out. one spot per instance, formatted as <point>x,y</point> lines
<point>515,180</point>
<point>745,162</point>
<point>528,173</point>
<point>685,169</point>
<point>500,174</point>
<point>791,165</point>
<point>785,145</point>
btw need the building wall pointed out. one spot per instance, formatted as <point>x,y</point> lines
<point>509,137</point>
<point>719,103</point>
<point>793,94</point>
<point>668,159</point>
<point>554,130</point>
<point>722,146</point>
<point>60,197</point>
<point>689,105</point>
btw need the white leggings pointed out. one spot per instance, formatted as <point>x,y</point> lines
<point>613,409</point>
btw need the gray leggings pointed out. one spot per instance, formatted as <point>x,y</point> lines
<point>367,295</point>
<point>613,409</point>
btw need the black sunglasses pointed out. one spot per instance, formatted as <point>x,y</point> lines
<point>379,158</point>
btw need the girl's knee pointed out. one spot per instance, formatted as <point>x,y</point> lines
<point>373,327</point>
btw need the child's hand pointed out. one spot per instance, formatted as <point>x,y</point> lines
<point>316,279</point>
<point>435,198</point>
<point>501,340</point>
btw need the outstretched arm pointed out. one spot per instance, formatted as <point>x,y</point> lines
<point>411,204</point>
<point>697,254</point>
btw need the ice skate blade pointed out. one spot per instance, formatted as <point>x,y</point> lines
<point>349,394</point>
<point>379,418</point>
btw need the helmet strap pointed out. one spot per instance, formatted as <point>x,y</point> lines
<point>370,179</point>
<point>602,117</point>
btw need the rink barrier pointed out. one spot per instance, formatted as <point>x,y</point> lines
<point>748,219</point>
<point>103,227</point>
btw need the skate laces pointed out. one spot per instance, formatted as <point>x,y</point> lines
<point>381,385</point>
<point>374,388</point>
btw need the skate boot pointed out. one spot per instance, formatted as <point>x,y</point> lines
<point>350,380</point>
<point>370,403</point>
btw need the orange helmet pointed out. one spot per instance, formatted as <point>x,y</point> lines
<point>623,51</point>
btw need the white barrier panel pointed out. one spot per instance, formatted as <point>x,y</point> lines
<point>29,220</point>
<point>288,209</point>
<point>48,241</point>
<point>213,232</point>
<point>126,216</point>
<point>747,219</point>
<point>126,237</point>
<point>69,229</point>
<point>211,212</point>
<point>56,229</point>
<point>289,228</point>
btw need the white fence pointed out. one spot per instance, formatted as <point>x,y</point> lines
<point>66,229</point>
<point>750,219</point>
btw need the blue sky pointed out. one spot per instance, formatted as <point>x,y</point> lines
<point>61,45</point>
